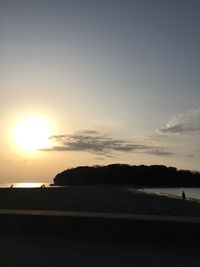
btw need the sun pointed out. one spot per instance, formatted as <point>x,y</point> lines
<point>33,134</point>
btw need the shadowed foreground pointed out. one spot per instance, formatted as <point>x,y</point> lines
<point>48,238</point>
<point>29,250</point>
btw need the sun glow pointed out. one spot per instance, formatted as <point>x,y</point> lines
<point>32,134</point>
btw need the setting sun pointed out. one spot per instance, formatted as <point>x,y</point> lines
<point>32,134</point>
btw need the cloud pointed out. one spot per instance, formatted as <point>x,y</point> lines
<point>100,144</point>
<point>99,158</point>
<point>160,152</point>
<point>92,141</point>
<point>188,123</point>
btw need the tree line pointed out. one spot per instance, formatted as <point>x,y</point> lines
<point>124,174</point>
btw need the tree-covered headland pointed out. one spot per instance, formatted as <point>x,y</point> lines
<point>124,174</point>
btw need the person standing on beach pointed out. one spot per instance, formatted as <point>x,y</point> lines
<point>183,195</point>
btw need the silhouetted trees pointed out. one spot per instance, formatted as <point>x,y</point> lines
<point>124,174</point>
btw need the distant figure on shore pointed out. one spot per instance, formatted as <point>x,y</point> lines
<point>183,195</point>
<point>11,186</point>
<point>42,186</point>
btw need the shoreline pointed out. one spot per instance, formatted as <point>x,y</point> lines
<point>144,190</point>
<point>113,199</point>
<point>192,199</point>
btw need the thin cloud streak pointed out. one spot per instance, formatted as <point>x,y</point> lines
<point>160,152</point>
<point>101,144</point>
<point>188,123</point>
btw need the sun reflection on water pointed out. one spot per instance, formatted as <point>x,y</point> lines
<point>27,185</point>
<point>24,185</point>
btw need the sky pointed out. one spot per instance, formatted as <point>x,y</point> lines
<point>116,81</point>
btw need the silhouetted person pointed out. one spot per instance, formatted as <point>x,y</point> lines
<point>183,195</point>
<point>11,186</point>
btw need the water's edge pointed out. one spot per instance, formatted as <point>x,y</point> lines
<point>192,194</point>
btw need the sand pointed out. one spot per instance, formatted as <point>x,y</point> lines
<point>24,248</point>
<point>53,251</point>
<point>114,199</point>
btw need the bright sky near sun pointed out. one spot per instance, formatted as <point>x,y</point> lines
<point>98,82</point>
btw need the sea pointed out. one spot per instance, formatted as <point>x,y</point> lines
<point>24,185</point>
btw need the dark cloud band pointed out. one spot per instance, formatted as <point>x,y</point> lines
<point>101,144</point>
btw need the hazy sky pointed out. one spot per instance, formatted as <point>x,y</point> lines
<point>117,80</point>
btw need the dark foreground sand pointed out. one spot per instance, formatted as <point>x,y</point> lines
<point>170,247</point>
<point>58,251</point>
<point>97,199</point>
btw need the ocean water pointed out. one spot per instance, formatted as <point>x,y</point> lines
<point>190,192</point>
<point>23,185</point>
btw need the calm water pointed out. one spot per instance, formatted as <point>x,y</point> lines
<point>24,185</point>
<point>191,193</point>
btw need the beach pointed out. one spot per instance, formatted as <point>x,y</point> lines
<point>54,236</point>
<point>112,199</point>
